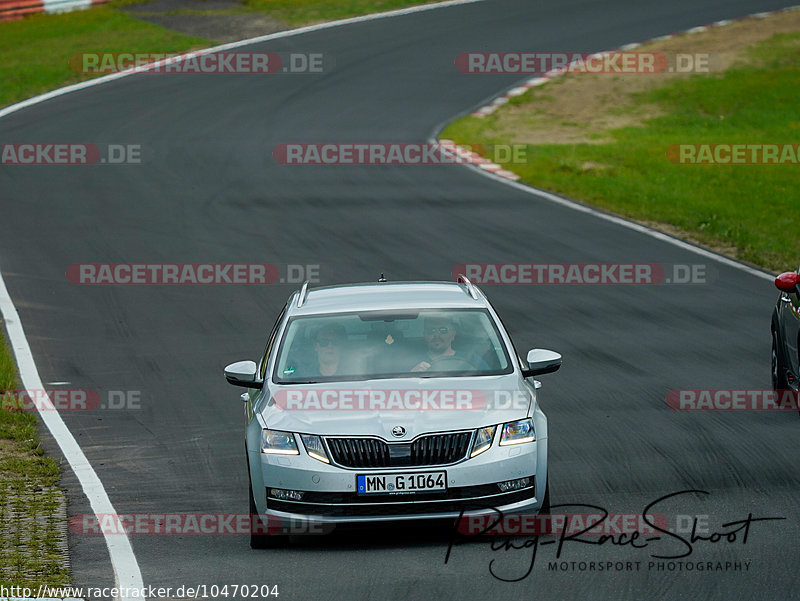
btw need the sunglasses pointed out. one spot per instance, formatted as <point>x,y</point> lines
<point>328,342</point>
<point>431,331</point>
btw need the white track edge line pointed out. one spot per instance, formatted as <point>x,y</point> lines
<point>127,573</point>
<point>256,40</point>
<point>433,139</point>
<point>632,225</point>
<point>126,570</point>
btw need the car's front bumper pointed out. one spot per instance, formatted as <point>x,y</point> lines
<point>329,491</point>
<point>522,501</point>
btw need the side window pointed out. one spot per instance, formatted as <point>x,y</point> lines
<point>262,368</point>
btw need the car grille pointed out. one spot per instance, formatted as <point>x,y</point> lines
<point>434,449</point>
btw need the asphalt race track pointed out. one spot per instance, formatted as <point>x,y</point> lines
<point>209,190</point>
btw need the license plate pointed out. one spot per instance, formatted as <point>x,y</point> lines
<point>401,483</point>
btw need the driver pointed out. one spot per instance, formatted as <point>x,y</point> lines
<point>439,333</point>
<point>328,352</point>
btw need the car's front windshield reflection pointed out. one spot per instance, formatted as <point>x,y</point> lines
<point>360,346</point>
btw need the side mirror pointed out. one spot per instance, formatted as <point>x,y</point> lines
<point>787,282</point>
<point>541,361</point>
<point>242,373</point>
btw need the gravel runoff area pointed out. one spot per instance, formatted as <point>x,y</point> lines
<point>217,23</point>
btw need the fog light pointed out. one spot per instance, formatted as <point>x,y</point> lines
<point>510,485</point>
<point>285,495</point>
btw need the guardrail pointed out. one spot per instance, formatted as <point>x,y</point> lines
<point>17,9</point>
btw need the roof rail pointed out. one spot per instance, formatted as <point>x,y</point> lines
<point>462,279</point>
<point>303,295</point>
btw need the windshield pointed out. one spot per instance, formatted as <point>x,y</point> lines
<point>367,345</point>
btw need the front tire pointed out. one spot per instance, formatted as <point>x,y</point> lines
<point>257,541</point>
<point>545,509</point>
<point>261,541</point>
<point>778,367</point>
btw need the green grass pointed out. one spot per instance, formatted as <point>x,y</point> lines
<point>296,13</point>
<point>304,12</point>
<point>36,51</point>
<point>8,369</point>
<point>753,208</point>
<point>30,502</point>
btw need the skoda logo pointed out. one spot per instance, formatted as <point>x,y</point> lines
<point>398,431</point>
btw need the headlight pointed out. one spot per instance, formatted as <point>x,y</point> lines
<point>483,440</point>
<point>518,432</point>
<point>278,443</point>
<point>315,448</point>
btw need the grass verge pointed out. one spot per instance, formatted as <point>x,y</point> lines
<point>746,211</point>
<point>36,53</point>
<point>306,12</point>
<point>36,50</point>
<point>32,508</point>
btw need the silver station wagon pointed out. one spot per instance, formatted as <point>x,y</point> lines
<point>387,401</point>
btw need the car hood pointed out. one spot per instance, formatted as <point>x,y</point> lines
<point>418,405</point>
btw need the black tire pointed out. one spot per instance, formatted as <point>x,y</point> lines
<point>257,541</point>
<point>261,541</point>
<point>545,510</point>
<point>778,371</point>
<point>778,367</point>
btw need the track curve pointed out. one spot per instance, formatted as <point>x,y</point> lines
<point>209,190</point>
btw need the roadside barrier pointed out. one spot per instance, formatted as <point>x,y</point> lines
<point>17,9</point>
